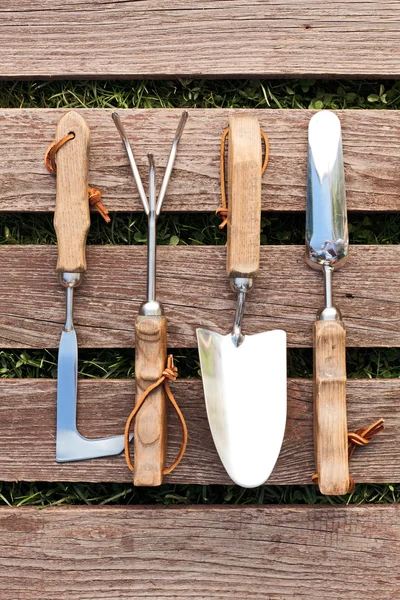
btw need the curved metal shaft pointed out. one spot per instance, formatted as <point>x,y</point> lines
<point>237,336</point>
<point>241,285</point>
<point>171,160</point>
<point>132,162</point>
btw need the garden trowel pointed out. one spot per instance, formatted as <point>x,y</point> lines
<point>244,376</point>
<point>72,221</point>
<point>327,244</point>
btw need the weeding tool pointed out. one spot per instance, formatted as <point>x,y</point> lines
<point>71,222</point>
<point>327,245</point>
<point>150,434</point>
<point>244,376</point>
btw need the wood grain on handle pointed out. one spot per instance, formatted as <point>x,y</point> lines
<point>244,196</point>
<point>72,215</point>
<point>330,416</point>
<point>150,435</point>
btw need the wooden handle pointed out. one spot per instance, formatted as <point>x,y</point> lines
<point>150,434</point>
<point>72,215</point>
<point>330,418</point>
<point>244,196</point>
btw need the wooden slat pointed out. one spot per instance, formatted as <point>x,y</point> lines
<point>200,38</point>
<point>200,552</point>
<point>371,155</point>
<point>193,287</point>
<point>27,432</point>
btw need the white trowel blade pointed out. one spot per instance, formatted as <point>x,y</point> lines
<point>245,393</point>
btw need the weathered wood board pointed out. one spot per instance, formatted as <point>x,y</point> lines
<point>194,289</point>
<point>200,38</point>
<point>28,426</point>
<point>200,552</point>
<point>371,155</point>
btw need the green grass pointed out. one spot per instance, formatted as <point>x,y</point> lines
<point>241,93</point>
<point>56,494</point>
<point>198,229</point>
<point>118,363</point>
<point>191,229</point>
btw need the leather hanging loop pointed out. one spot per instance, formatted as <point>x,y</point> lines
<point>94,194</point>
<point>222,212</point>
<point>170,373</point>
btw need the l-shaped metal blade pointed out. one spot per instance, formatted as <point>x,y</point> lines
<point>70,444</point>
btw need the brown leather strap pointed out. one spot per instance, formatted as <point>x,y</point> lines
<point>50,162</point>
<point>360,437</point>
<point>170,373</point>
<point>95,200</point>
<point>222,212</point>
<point>51,151</point>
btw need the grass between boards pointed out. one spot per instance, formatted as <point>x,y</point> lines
<point>196,229</point>
<point>368,363</point>
<point>61,494</point>
<point>192,229</point>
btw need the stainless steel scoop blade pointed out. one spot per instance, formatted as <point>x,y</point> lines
<point>245,393</point>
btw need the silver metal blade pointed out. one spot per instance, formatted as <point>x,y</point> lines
<point>245,394</point>
<point>327,237</point>
<point>70,444</point>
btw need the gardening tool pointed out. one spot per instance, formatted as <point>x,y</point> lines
<point>71,222</point>
<point>244,376</point>
<point>326,249</point>
<point>150,436</point>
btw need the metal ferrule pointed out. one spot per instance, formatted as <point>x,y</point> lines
<point>241,285</point>
<point>151,309</point>
<point>70,281</point>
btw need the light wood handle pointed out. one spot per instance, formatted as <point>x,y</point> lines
<point>150,433</point>
<point>72,215</point>
<point>244,196</point>
<point>330,418</point>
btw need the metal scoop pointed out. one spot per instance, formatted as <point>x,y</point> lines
<point>72,221</point>
<point>327,244</point>
<point>244,376</point>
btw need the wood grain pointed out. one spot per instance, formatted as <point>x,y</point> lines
<point>370,146</point>
<point>244,196</point>
<point>203,38</point>
<point>72,216</point>
<point>194,290</point>
<point>150,441</point>
<point>28,422</point>
<point>330,417</point>
<point>200,552</point>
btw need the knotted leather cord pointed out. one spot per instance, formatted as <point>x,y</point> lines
<point>222,212</point>
<point>93,193</point>
<point>170,373</point>
<point>359,437</point>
